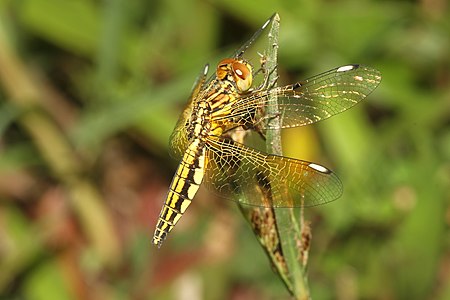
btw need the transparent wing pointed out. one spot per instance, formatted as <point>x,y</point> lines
<point>249,51</point>
<point>240,52</point>
<point>308,101</point>
<point>236,170</point>
<point>178,141</point>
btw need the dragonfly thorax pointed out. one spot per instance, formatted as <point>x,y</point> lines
<point>236,71</point>
<point>199,123</point>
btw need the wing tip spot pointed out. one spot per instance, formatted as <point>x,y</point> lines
<point>267,22</point>
<point>347,68</point>
<point>319,168</point>
<point>206,69</point>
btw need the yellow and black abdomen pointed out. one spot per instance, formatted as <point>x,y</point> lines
<point>182,190</point>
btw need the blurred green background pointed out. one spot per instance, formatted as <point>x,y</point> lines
<point>90,92</point>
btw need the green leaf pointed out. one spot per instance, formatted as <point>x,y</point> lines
<point>47,283</point>
<point>74,25</point>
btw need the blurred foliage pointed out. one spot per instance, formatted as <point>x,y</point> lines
<point>90,91</point>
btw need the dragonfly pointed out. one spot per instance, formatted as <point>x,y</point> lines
<point>229,100</point>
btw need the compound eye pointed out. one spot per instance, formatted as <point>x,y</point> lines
<point>242,76</point>
<point>223,68</point>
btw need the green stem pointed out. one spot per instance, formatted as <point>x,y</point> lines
<point>289,231</point>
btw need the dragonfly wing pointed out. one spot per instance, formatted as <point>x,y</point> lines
<point>178,140</point>
<point>308,101</point>
<point>240,52</point>
<point>236,170</point>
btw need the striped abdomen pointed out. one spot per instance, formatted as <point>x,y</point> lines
<point>182,190</point>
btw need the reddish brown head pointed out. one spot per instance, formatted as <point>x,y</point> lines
<point>239,71</point>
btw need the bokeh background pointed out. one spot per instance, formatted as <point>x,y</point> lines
<point>90,91</point>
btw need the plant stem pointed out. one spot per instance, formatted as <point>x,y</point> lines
<point>289,231</point>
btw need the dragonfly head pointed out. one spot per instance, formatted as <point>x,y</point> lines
<point>237,71</point>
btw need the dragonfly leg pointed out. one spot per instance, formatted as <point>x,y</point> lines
<point>265,84</point>
<point>263,69</point>
<point>262,61</point>
<point>263,123</point>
